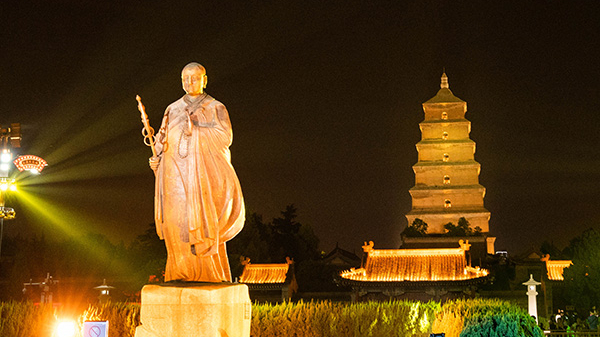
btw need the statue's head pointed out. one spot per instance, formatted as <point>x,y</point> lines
<point>194,79</point>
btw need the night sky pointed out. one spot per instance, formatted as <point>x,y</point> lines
<point>325,101</point>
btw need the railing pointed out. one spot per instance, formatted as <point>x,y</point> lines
<point>570,333</point>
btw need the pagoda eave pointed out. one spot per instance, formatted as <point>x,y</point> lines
<point>481,212</point>
<point>470,163</point>
<point>427,142</point>
<point>413,285</point>
<point>443,122</point>
<point>448,188</point>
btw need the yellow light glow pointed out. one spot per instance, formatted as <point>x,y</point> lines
<point>65,329</point>
<point>4,186</point>
<point>13,187</point>
<point>61,218</point>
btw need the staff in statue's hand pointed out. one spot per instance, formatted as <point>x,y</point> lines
<point>148,133</point>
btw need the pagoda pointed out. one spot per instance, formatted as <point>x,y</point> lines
<point>446,175</point>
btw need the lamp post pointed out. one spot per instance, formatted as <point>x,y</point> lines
<point>6,185</point>
<point>9,136</point>
<point>531,295</point>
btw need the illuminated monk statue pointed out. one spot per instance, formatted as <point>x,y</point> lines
<point>198,199</point>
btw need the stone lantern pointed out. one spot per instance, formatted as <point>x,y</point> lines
<point>532,295</point>
<point>104,292</point>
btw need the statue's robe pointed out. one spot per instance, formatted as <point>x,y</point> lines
<point>198,199</point>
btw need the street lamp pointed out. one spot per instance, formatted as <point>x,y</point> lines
<point>5,212</point>
<point>6,185</point>
<point>9,137</point>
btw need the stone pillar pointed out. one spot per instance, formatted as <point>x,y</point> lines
<point>195,310</point>
<point>490,245</point>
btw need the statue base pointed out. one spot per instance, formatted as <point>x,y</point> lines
<point>195,310</point>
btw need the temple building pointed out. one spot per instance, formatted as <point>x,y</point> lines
<point>447,176</point>
<point>418,274</point>
<point>271,281</point>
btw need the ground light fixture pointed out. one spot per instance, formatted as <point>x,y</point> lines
<point>65,328</point>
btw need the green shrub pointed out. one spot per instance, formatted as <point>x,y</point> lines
<point>24,319</point>
<point>485,317</point>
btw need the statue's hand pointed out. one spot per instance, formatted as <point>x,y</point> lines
<point>154,161</point>
<point>195,120</point>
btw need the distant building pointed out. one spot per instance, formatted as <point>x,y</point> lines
<point>447,175</point>
<point>553,284</point>
<point>270,282</point>
<point>341,258</point>
<point>418,274</point>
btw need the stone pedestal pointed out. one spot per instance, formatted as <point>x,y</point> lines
<point>195,310</point>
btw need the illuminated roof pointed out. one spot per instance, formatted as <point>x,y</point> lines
<point>444,95</point>
<point>415,265</point>
<point>555,269</point>
<point>264,273</point>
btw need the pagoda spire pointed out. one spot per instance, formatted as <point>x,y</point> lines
<point>444,83</point>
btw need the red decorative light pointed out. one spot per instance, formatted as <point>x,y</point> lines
<point>30,162</point>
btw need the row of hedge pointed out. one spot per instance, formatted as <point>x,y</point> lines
<point>469,318</point>
<point>24,319</point>
<point>329,319</point>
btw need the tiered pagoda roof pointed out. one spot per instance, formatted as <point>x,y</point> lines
<point>415,265</point>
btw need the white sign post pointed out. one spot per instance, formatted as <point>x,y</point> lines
<point>95,329</point>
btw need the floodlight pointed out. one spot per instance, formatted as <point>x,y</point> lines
<point>65,329</point>
<point>6,156</point>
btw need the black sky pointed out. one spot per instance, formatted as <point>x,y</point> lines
<point>325,101</point>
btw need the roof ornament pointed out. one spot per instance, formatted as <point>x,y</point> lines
<point>368,247</point>
<point>289,261</point>
<point>245,260</point>
<point>444,83</point>
<point>545,258</point>
<point>464,245</point>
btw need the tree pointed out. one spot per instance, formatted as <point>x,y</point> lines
<point>252,241</point>
<point>463,229</point>
<point>583,277</point>
<point>292,239</point>
<point>418,228</point>
<point>148,254</point>
<point>548,248</point>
